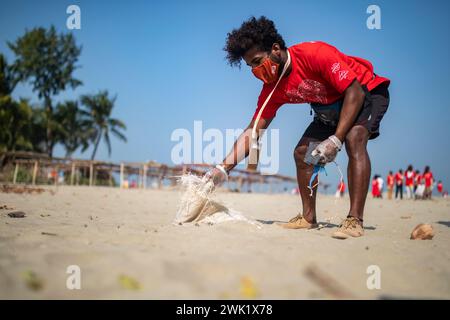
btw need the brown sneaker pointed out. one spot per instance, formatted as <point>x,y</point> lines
<point>298,222</point>
<point>350,227</point>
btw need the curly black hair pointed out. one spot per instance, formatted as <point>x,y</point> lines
<point>260,33</point>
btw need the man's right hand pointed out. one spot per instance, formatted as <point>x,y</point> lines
<point>217,175</point>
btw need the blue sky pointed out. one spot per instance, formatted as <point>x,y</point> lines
<point>165,62</point>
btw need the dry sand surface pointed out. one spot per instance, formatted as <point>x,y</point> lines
<point>126,247</point>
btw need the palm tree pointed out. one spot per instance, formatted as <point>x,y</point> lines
<point>100,124</point>
<point>73,129</point>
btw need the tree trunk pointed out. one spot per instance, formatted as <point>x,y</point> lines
<point>12,146</point>
<point>96,144</point>
<point>49,115</point>
<point>69,154</point>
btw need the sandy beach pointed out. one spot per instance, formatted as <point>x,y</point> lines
<point>127,247</point>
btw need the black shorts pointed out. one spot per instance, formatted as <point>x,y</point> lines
<point>375,106</point>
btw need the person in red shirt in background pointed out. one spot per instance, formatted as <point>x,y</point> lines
<point>375,187</point>
<point>429,180</point>
<point>340,189</point>
<point>417,180</point>
<point>399,184</point>
<point>390,184</point>
<point>419,186</point>
<point>440,187</point>
<point>380,185</point>
<point>409,182</point>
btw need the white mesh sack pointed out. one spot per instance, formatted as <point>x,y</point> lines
<point>196,204</point>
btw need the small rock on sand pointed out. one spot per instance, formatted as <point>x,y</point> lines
<point>422,232</point>
<point>17,214</point>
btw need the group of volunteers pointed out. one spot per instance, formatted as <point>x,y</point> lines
<point>418,185</point>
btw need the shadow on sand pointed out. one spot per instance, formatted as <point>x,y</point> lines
<point>444,223</point>
<point>325,225</point>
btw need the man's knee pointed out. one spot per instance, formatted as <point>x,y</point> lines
<point>299,155</point>
<point>356,141</point>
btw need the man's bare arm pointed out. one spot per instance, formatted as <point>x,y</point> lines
<point>353,101</point>
<point>241,146</point>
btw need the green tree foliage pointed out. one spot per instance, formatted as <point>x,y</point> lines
<point>47,61</point>
<point>8,79</point>
<point>73,130</point>
<point>15,117</point>
<point>15,121</point>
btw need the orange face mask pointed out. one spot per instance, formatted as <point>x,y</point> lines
<point>267,71</point>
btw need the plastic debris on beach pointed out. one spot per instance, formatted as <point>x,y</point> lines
<point>128,282</point>
<point>248,288</point>
<point>5,188</point>
<point>32,280</point>
<point>197,205</point>
<point>327,283</point>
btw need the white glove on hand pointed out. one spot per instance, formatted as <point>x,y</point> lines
<point>327,150</point>
<point>218,175</point>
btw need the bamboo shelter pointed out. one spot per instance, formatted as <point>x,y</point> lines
<point>38,169</point>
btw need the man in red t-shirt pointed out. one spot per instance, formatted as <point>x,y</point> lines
<point>340,190</point>
<point>409,182</point>
<point>440,187</point>
<point>429,180</point>
<point>417,180</point>
<point>399,184</point>
<point>419,186</point>
<point>375,187</point>
<point>348,98</point>
<point>390,184</point>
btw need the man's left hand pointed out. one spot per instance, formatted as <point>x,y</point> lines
<point>327,150</point>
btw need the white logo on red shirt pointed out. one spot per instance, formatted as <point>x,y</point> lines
<point>308,91</point>
<point>274,69</point>
<point>335,67</point>
<point>343,75</point>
